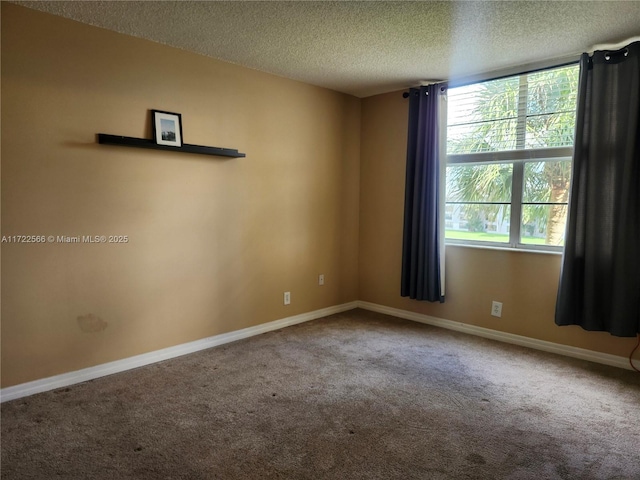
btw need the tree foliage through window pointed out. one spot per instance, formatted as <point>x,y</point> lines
<point>530,111</point>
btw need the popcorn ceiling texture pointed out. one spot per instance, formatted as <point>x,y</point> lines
<point>366,48</point>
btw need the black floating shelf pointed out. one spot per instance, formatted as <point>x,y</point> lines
<point>107,139</point>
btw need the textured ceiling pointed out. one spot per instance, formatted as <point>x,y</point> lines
<point>365,48</point>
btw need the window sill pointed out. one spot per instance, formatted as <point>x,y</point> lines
<point>504,249</point>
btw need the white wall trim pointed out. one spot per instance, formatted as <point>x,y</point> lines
<point>79,376</point>
<point>575,352</point>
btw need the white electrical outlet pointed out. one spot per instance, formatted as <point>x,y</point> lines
<point>321,279</point>
<point>496,309</point>
<point>287,298</point>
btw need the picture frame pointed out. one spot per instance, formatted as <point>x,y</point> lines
<point>167,128</point>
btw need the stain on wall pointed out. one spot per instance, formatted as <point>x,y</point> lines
<point>91,323</point>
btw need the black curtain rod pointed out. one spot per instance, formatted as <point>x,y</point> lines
<point>406,94</point>
<point>509,72</point>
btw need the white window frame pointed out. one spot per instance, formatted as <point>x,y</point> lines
<point>518,158</point>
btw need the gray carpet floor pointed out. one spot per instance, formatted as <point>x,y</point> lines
<point>356,395</point>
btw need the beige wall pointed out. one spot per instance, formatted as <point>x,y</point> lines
<point>213,242</point>
<point>526,283</point>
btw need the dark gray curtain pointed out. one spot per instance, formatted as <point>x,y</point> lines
<point>600,280</point>
<point>421,248</point>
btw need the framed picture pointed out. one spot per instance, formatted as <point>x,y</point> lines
<point>167,128</point>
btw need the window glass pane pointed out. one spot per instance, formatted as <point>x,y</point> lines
<point>482,117</point>
<point>543,224</point>
<point>551,107</point>
<point>484,222</point>
<point>545,196</point>
<point>487,182</point>
<point>547,182</point>
<point>491,136</point>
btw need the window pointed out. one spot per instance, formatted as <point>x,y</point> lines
<point>509,146</point>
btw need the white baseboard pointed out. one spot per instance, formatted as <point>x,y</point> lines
<point>581,353</point>
<point>79,376</point>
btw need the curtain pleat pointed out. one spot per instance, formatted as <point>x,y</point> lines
<point>600,280</point>
<point>422,248</point>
